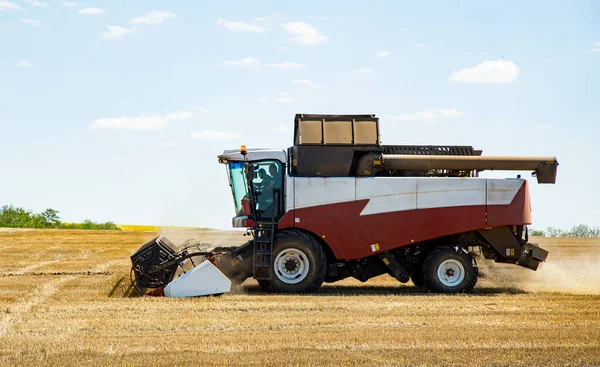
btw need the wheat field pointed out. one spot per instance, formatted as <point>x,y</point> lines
<point>65,300</point>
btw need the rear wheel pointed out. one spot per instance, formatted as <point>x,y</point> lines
<point>299,264</point>
<point>450,269</point>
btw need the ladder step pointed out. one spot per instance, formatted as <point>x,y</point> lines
<point>263,250</point>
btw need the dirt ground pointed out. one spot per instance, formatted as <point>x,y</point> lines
<point>65,300</point>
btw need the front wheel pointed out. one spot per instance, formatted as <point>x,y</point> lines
<point>417,276</point>
<point>299,264</point>
<point>450,269</point>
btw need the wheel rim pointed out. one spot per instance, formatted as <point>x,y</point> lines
<point>451,273</point>
<point>291,266</point>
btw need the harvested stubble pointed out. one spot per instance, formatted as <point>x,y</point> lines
<point>52,312</point>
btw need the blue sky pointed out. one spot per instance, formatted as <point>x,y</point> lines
<point>116,110</point>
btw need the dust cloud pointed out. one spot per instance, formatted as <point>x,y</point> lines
<point>577,275</point>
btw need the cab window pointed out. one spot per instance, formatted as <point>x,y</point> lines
<point>268,185</point>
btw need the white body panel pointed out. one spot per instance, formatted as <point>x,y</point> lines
<point>289,192</point>
<point>311,191</point>
<point>203,280</point>
<point>386,192</point>
<point>450,191</point>
<point>392,194</point>
<point>499,192</point>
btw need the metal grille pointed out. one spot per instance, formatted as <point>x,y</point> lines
<point>430,150</point>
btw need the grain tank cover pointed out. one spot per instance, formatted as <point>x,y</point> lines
<point>342,130</point>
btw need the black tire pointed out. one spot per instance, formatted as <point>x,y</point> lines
<point>417,276</point>
<point>264,285</point>
<point>309,252</point>
<point>452,257</point>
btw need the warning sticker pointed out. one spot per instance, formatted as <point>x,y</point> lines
<point>375,247</point>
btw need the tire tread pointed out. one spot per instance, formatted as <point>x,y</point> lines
<point>427,271</point>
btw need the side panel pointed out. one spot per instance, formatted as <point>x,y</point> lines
<point>289,193</point>
<point>502,191</point>
<point>327,207</point>
<point>287,220</point>
<point>391,212</point>
<point>508,203</point>
<point>386,194</point>
<point>312,191</point>
<point>450,192</point>
<point>402,211</point>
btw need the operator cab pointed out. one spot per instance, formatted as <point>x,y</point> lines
<point>257,184</point>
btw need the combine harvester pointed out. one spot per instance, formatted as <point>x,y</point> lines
<point>340,204</point>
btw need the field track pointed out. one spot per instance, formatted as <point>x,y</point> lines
<point>65,300</point>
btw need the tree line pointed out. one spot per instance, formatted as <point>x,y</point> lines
<point>14,217</point>
<point>580,230</point>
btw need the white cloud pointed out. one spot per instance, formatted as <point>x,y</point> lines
<point>24,64</point>
<point>285,97</point>
<point>116,32</point>
<point>260,19</point>
<point>187,115</point>
<point>240,26</point>
<point>303,33</point>
<point>152,122</point>
<point>248,61</point>
<point>70,4</point>
<point>382,54</point>
<point>365,70</point>
<point>287,65</point>
<point>92,11</point>
<point>281,128</point>
<point>426,116</point>
<point>29,21</point>
<point>181,116</point>
<point>39,4</point>
<point>8,6</point>
<point>449,113</point>
<point>544,126</point>
<point>154,17</point>
<point>595,47</point>
<point>497,72</point>
<point>251,61</point>
<point>214,135</point>
<point>263,99</point>
<point>306,82</point>
<point>147,121</point>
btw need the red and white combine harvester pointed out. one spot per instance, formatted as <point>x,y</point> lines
<point>340,204</point>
